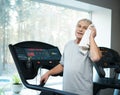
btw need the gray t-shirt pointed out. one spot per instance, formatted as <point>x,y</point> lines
<point>78,70</point>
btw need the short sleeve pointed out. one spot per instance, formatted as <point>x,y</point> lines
<point>62,60</point>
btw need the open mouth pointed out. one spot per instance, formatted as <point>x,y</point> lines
<point>79,33</point>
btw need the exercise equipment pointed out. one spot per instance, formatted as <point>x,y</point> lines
<point>110,59</point>
<point>29,56</point>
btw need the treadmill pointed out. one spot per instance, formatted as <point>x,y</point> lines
<point>29,56</point>
<point>110,59</point>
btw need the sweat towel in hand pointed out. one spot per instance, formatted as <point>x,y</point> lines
<point>84,43</point>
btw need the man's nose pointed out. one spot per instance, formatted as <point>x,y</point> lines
<point>80,29</point>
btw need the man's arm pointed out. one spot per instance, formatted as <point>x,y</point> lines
<point>95,53</point>
<point>57,69</point>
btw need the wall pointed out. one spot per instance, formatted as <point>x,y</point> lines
<point>102,19</point>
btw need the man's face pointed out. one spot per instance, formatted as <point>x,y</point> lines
<point>80,29</point>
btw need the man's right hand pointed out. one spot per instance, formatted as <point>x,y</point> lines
<point>57,69</point>
<point>44,78</point>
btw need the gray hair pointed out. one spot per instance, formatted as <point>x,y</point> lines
<point>86,20</point>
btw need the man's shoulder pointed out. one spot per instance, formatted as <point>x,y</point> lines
<point>69,43</point>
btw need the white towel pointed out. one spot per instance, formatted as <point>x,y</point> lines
<point>84,43</point>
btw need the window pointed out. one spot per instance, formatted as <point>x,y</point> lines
<point>28,20</point>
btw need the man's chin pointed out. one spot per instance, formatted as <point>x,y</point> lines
<point>79,38</point>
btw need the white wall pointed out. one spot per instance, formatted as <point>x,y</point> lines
<point>102,20</point>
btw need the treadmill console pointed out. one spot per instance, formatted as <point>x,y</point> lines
<point>30,56</point>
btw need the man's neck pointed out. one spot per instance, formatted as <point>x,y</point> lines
<point>77,41</point>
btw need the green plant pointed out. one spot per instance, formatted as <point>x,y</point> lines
<point>16,79</point>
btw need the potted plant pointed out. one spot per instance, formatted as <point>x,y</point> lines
<point>16,84</point>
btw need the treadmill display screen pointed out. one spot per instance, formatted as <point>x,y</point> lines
<point>38,54</point>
